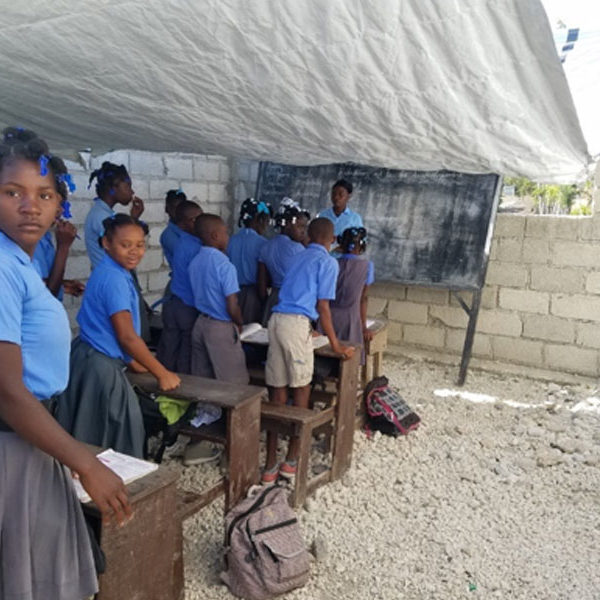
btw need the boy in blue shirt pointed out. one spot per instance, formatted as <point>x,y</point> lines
<point>179,313</point>
<point>172,232</point>
<point>307,288</point>
<point>216,347</point>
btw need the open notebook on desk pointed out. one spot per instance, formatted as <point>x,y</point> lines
<point>255,333</point>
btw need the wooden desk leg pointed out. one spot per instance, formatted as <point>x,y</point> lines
<point>303,463</point>
<point>377,364</point>
<point>243,437</point>
<point>345,413</point>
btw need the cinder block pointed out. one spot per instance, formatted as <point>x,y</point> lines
<point>206,169</point>
<point>422,335</point>
<point>241,170</point>
<point>552,329</point>
<point>553,227</point>
<point>157,280</point>
<point>154,212</point>
<point>517,350</point>
<point>496,322</point>
<point>489,297</point>
<point>159,188</point>
<point>153,239</point>
<point>508,274</point>
<point>494,249</point>
<point>524,300</point>
<point>147,163</point>
<point>197,191</point>
<point>152,261</point>
<point>224,172</point>
<point>118,157</point>
<point>427,295</point>
<point>455,341</point>
<point>571,359</point>
<point>508,225</point>
<point>451,316</point>
<point>74,167</point>
<point>78,245</point>
<point>376,305</point>
<point>509,249</point>
<point>217,193</point>
<point>589,229</point>
<point>592,283</point>
<point>79,210</point>
<point>81,179</point>
<point>254,170</point>
<point>392,291</point>
<point>575,254</point>
<point>586,308</point>
<point>395,332</point>
<point>551,279</point>
<point>588,334</point>
<point>407,312</point>
<point>152,297</point>
<point>78,267</point>
<point>535,251</point>
<point>179,166</point>
<point>537,226</point>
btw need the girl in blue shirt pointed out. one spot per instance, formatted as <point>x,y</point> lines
<point>100,406</point>
<point>244,249</point>
<point>276,254</point>
<point>44,543</point>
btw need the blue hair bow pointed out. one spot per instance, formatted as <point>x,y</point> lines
<point>43,165</point>
<point>262,208</point>
<point>66,209</point>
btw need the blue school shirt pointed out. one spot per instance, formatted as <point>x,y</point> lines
<point>312,276</point>
<point>243,250</point>
<point>213,278</point>
<point>186,249</point>
<point>93,229</point>
<point>370,270</point>
<point>109,290</point>
<point>169,239</point>
<point>347,219</point>
<point>43,259</point>
<point>277,254</point>
<point>35,320</point>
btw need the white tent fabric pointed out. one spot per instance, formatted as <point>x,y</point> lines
<point>467,85</point>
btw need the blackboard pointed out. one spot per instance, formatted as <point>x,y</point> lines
<point>428,228</point>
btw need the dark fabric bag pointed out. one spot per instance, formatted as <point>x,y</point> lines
<point>386,409</point>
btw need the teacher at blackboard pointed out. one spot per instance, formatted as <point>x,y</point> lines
<point>339,213</point>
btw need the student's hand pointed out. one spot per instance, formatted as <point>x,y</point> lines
<point>345,351</point>
<point>137,207</point>
<point>73,287</point>
<point>168,381</point>
<point>367,334</point>
<point>108,492</point>
<point>65,233</point>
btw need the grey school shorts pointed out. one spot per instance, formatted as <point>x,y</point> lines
<point>290,358</point>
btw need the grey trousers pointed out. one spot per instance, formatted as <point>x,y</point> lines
<point>217,351</point>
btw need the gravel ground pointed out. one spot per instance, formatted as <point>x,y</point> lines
<point>494,496</point>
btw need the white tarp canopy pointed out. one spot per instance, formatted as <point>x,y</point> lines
<point>467,85</point>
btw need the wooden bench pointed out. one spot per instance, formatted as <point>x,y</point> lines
<point>239,431</point>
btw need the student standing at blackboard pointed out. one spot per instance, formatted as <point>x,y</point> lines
<point>339,213</point>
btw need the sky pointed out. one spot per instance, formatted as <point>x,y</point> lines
<point>582,62</point>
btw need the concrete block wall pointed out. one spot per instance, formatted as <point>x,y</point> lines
<point>206,179</point>
<point>540,305</point>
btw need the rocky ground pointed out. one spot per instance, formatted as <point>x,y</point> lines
<point>495,496</point>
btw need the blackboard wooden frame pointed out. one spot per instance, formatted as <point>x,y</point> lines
<point>477,279</point>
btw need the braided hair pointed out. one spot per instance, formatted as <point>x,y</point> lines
<point>111,224</point>
<point>18,143</point>
<point>353,237</point>
<point>288,212</point>
<point>107,177</point>
<point>250,209</point>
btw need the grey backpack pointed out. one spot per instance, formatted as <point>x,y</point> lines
<point>265,554</point>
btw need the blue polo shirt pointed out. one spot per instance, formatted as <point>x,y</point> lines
<point>347,219</point>
<point>213,278</point>
<point>93,229</point>
<point>186,249</point>
<point>370,270</point>
<point>43,259</point>
<point>169,239</point>
<point>109,290</point>
<point>312,276</point>
<point>277,254</point>
<point>243,250</point>
<point>32,318</point>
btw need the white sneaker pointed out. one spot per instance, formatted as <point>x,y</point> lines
<point>197,453</point>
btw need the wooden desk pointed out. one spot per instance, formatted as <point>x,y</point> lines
<point>144,558</point>
<point>374,350</point>
<point>241,405</point>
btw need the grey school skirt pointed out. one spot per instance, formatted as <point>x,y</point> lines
<point>99,405</point>
<point>44,545</point>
